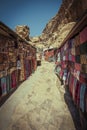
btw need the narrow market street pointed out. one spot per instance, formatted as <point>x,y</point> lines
<point>39,103</point>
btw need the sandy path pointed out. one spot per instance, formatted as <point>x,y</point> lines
<point>37,104</point>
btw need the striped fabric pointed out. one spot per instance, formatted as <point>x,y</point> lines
<point>83,78</point>
<point>77,66</point>
<point>75,52</point>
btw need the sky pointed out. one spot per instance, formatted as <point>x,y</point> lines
<point>33,13</point>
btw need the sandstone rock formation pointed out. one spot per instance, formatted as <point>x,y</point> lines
<point>60,25</point>
<point>23,31</point>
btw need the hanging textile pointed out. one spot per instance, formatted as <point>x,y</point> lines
<point>0,89</point>
<point>82,95</point>
<point>13,79</point>
<point>78,66</point>
<point>85,100</point>
<point>77,40</point>
<point>83,78</point>
<point>77,95</point>
<point>3,85</point>
<point>84,68</point>
<point>74,88</point>
<point>83,48</point>
<point>77,59</point>
<point>83,35</point>
<point>83,59</point>
<point>8,83</point>
<point>77,50</point>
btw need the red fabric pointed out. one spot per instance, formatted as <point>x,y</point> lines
<point>67,57</point>
<point>77,74</point>
<point>83,78</point>
<point>70,81</point>
<point>73,58</point>
<point>71,84</point>
<point>77,66</point>
<point>61,73</point>
<point>77,94</point>
<point>83,35</point>
<point>13,77</point>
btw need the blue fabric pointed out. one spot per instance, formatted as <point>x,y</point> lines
<point>0,88</point>
<point>82,95</point>
<point>3,85</point>
<point>8,82</point>
<point>74,87</point>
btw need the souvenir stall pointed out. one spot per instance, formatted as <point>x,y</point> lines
<point>58,62</point>
<point>73,68</point>
<point>7,64</point>
<point>34,60</point>
<point>29,60</point>
<point>4,65</point>
<point>62,62</point>
<point>20,57</point>
<point>12,55</point>
<point>17,60</point>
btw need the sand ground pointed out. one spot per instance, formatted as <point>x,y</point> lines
<point>38,104</point>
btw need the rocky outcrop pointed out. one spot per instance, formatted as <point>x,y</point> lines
<point>59,26</point>
<point>23,31</point>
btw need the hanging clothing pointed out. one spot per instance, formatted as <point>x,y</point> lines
<point>83,35</point>
<point>77,90</point>
<point>77,59</point>
<point>83,59</point>
<point>3,85</point>
<point>0,89</point>
<point>77,50</point>
<point>13,78</point>
<point>18,64</point>
<point>77,40</point>
<point>8,83</point>
<point>84,68</point>
<point>85,100</point>
<point>74,88</point>
<point>83,48</point>
<point>83,78</point>
<point>82,96</point>
<point>78,66</point>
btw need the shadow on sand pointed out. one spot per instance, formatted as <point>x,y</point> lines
<point>72,108</point>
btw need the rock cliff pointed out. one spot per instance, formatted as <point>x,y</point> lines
<point>60,25</point>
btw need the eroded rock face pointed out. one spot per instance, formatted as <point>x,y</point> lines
<point>23,31</point>
<point>60,25</point>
